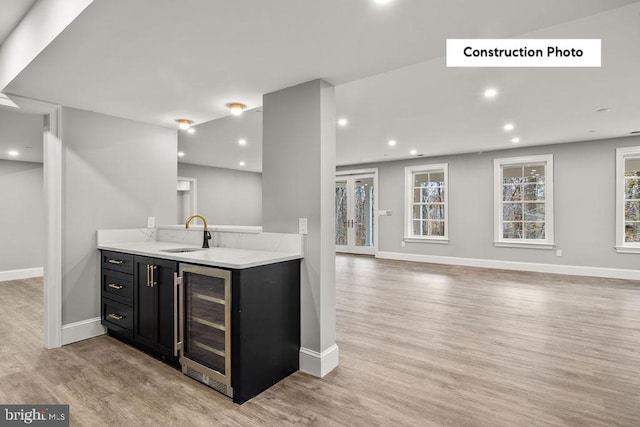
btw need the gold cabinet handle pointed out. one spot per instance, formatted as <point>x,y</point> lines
<point>116,316</point>
<point>115,261</point>
<point>154,275</point>
<point>114,286</point>
<point>148,275</point>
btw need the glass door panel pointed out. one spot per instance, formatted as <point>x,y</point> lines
<point>355,214</point>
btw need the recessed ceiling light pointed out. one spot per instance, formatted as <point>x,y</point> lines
<point>343,122</point>
<point>491,93</point>
<point>13,153</point>
<point>392,143</point>
<point>180,153</point>
<point>236,108</point>
<point>413,152</point>
<point>382,1</point>
<point>191,130</point>
<point>508,127</point>
<point>184,124</point>
<point>242,163</point>
<point>603,110</point>
<point>515,140</point>
<point>242,141</point>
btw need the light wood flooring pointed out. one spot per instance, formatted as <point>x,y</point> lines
<point>420,345</point>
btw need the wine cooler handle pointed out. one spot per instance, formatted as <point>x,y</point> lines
<point>177,311</point>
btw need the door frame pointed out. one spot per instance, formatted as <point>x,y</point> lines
<point>52,154</point>
<point>193,196</point>
<point>376,197</point>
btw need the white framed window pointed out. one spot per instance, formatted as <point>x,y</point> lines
<point>628,200</point>
<point>523,202</point>
<point>427,203</point>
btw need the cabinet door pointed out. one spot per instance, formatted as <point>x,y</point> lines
<point>164,337</point>
<point>144,303</point>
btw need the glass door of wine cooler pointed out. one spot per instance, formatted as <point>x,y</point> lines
<point>205,327</point>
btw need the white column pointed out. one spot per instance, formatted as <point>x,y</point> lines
<point>298,180</point>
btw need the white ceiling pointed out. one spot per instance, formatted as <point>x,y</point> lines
<point>163,60</point>
<point>11,13</point>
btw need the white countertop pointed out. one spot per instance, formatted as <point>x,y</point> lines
<point>215,257</point>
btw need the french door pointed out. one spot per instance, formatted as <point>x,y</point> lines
<point>355,214</point>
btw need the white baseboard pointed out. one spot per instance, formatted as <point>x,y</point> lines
<point>319,364</point>
<point>26,273</point>
<point>573,270</point>
<point>83,330</point>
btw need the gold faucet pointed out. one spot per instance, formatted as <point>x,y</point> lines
<point>207,235</point>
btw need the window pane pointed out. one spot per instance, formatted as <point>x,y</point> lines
<point>436,228</point>
<point>420,228</point>
<point>533,212</point>
<point>632,232</point>
<point>420,212</point>
<point>632,167</point>
<point>420,179</point>
<point>534,173</point>
<point>511,192</point>
<point>534,191</point>
<point>512,174</point>
<point>436,211</point>
<point>512,230</point>
<point>632,188</point>
<point>512,212</point>
<point>437,178</point>
<point>632,211</point>
<point>534,230</point>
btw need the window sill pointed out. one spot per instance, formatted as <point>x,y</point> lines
<point>441,241</point>
<point>627,250</point>
<point>526,245</point>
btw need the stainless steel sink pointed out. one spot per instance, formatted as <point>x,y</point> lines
<point>181,250</point>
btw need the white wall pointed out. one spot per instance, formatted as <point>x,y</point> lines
<point>116,173</point>
<point>584,177</point>
<point>21,215</point>
<point>226,196</point>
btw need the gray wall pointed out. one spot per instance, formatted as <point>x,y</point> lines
<point>21,215</point>
<point>226,196</point>
<point>116,173</point>
<point>584,186</point>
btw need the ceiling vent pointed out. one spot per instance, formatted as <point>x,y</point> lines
<point>635,132</point>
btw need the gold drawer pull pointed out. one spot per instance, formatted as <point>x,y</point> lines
<point>115,261</point>
<point>114,286</point>
<point>116,316</point>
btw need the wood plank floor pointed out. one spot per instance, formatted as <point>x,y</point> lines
<point>420,345</point>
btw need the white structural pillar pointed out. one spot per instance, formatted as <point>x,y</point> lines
<point>298,181</point>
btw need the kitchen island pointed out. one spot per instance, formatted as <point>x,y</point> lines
<point>230,317</point>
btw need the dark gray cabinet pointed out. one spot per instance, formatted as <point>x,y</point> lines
<point>153,325</point>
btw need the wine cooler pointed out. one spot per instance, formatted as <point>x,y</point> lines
<point>202,324</point>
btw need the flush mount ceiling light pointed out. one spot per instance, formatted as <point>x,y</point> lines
<point>236,108</point>
<point>508,127</point>
<point>392,143</point>
<point>491,93</point>
<point>184,124</point>
<point>242,141</point>
<point>343,122</point>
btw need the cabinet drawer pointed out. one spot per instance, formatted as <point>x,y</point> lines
<point>118,286</point>
<point>117,316</point>
<point>117,261</point>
